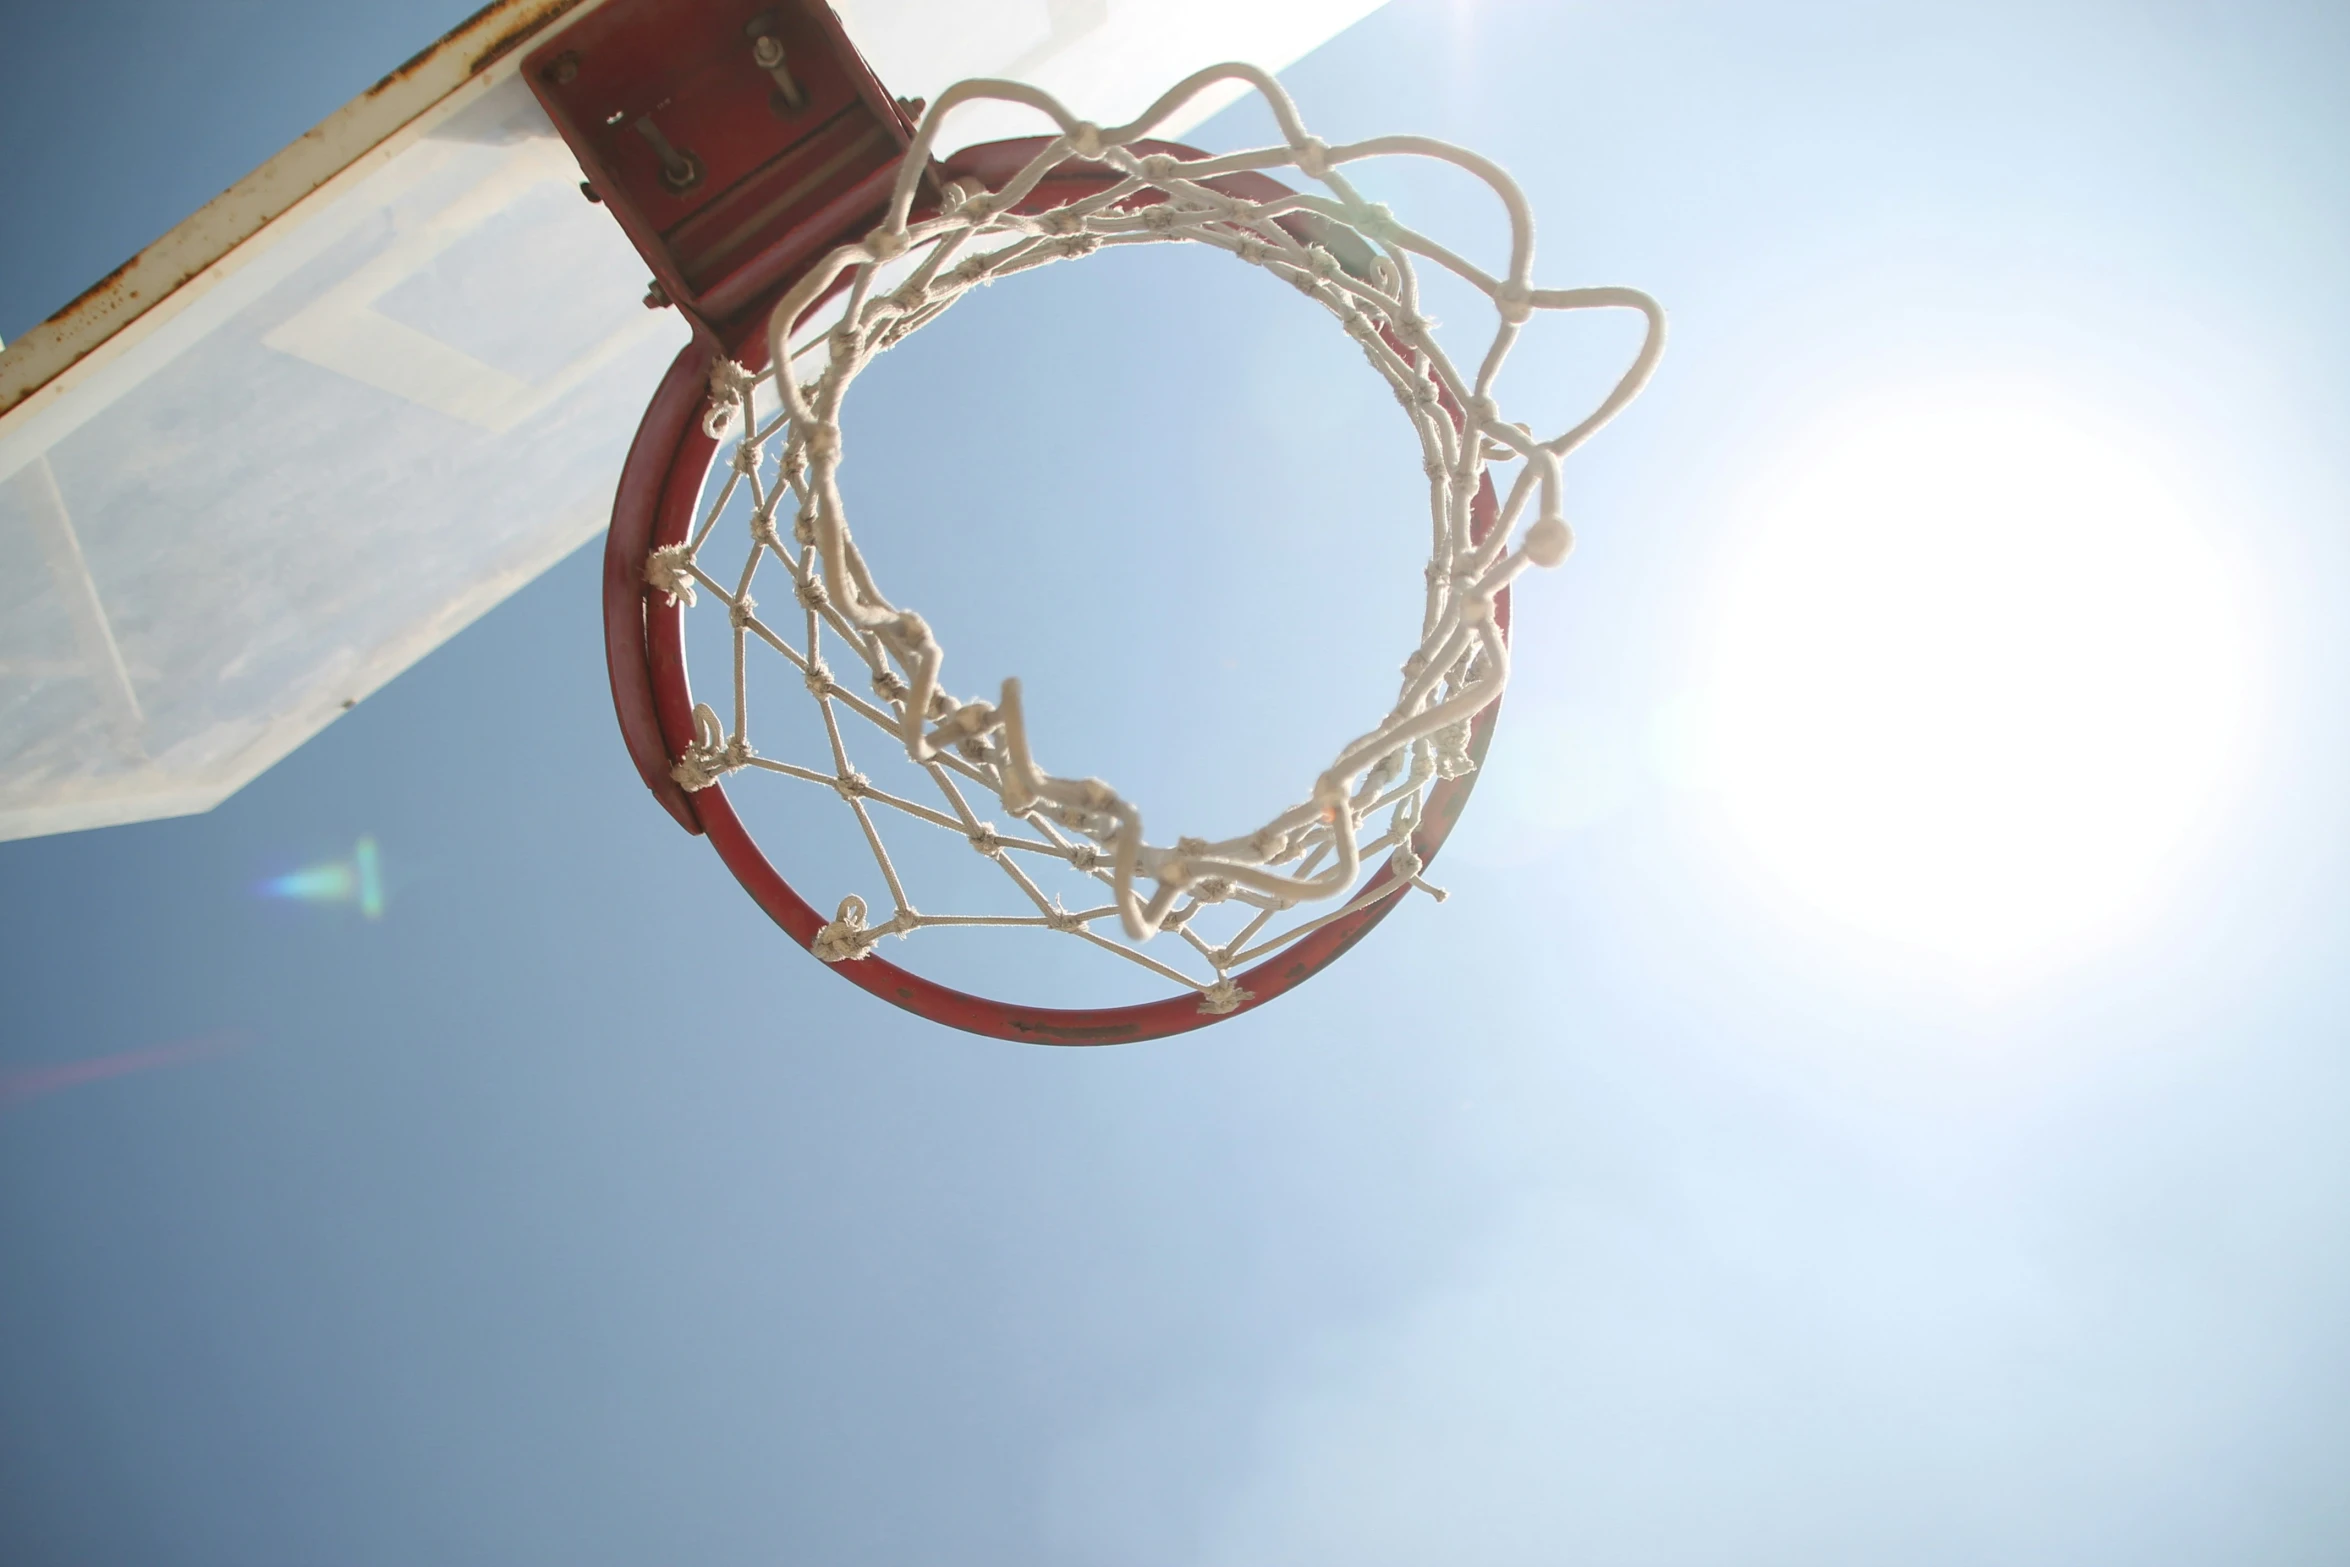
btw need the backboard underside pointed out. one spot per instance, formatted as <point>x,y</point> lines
<point>366,411</point>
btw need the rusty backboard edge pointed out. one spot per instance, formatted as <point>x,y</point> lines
<point>155,284</point>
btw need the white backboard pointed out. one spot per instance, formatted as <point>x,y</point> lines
<point>383,382</point>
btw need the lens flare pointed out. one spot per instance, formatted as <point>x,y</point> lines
<point>18,1084</point>
<point>1977,679</point>
<point>371,887</point>
<point>357,880</point>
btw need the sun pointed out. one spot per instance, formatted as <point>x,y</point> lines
<point>1976,676</point>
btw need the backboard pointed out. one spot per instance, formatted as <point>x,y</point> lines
<point>383,382</point>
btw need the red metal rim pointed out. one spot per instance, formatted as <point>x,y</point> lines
<point>644,640</point>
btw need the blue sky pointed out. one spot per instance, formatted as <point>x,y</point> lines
<point>1738,1169</point>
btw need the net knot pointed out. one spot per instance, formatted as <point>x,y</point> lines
<point>1160,218</point>
<point>1060,919</point>
<point>853,785</point>
<point>1157,166</point>
<point>728,382</point>
<point>1253,249</point>
<point>845,939</point>
<point>1515,301</point>
<point>818,680</point>
<point>1313,158</point>
<point>1224,996</point>
<point>811,593</point>
<point>969,720</point>
<point>738,613</point>
<point>695,771</point>
<point>669,571</point>
<point>747,453</point>
<point>1452,751</point>
<point>985,840</point>
<point>888,687</point>
<point>1211,889</point>
<point>1085,859</point>
<point>1077,245</point>
<point>1085,139</point>
<point>711,756</point>
<point>969,270</point>
<point>886,244</point>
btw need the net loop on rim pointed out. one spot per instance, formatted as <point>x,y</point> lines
<point>1353,257</point>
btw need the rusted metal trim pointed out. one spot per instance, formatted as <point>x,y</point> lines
<point>228,230</point>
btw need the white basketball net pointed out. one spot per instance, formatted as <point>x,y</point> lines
<point>1087,836</point>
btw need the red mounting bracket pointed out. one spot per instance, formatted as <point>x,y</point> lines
<point>734,140</point>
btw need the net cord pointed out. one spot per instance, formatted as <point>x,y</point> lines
<point>1312,851</point>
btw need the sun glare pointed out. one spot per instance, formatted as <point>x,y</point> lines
<point>1976,678</point>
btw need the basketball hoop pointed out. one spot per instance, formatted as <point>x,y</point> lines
<point>1231,921</point>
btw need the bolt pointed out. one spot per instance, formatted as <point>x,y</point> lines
<point>680,171</point>
<point>563,70</point>
<point>589,191</point>
<point>767,53</point>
